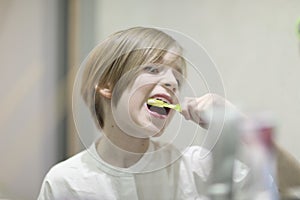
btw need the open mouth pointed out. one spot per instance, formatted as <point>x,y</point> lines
<point>159,110</point>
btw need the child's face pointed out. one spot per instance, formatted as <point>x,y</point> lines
<point>134,115</point>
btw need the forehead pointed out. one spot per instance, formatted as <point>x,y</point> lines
<point>162,57</point>
<point>175,61</point>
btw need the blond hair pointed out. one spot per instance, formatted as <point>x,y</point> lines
<point>120,53</point>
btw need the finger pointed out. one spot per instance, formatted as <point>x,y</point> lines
<point>194,114</point>
<point>186,114</point>
<point>184,108</point>
<point>191,107</point>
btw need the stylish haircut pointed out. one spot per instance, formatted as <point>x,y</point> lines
<point>121,54</point>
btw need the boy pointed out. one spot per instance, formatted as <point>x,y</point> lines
<point>120,76</point>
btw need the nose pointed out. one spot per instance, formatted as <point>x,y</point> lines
<point>169,80</point>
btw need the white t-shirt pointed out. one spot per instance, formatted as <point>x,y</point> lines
<point>86,176</point>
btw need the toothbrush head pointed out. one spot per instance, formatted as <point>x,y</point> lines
<point>159,103</point>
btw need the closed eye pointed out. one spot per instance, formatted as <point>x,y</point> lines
<point>152,69</point>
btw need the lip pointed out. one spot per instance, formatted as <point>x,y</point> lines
<point>163,96</point>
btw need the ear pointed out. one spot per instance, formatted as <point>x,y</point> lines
<point>105,92</point>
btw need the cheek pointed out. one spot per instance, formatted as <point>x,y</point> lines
<point>139,95</point>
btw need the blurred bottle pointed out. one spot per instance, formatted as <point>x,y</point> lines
<point>258,153</point>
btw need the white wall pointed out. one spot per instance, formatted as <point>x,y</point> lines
<point>28,116</point>
<point>253,43</point>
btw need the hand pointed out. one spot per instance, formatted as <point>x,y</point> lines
<point>200,109</point>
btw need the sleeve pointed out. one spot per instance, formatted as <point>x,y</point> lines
<point>55,186</point>
<point>46,192</point>
<point>200,163</point>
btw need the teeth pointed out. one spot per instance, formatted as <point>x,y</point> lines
<point>163,99</point>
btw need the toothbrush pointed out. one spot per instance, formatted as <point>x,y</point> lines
<point>159,103</point>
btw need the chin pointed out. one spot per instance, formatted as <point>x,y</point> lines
<point>153,131</point>
<point>152,126</point>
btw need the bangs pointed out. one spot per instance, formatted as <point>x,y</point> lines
<point>170,58</point>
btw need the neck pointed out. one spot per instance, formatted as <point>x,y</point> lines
<point>120,149</point>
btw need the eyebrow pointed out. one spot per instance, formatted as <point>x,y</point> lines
<point>173,65</point>
<point>177,64</point>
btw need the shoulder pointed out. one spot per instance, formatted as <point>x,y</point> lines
<point>72,178</point>
<point>63,174</point>
<point>67,166</point>
<point>56,181</point>
<point>79,166</point>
